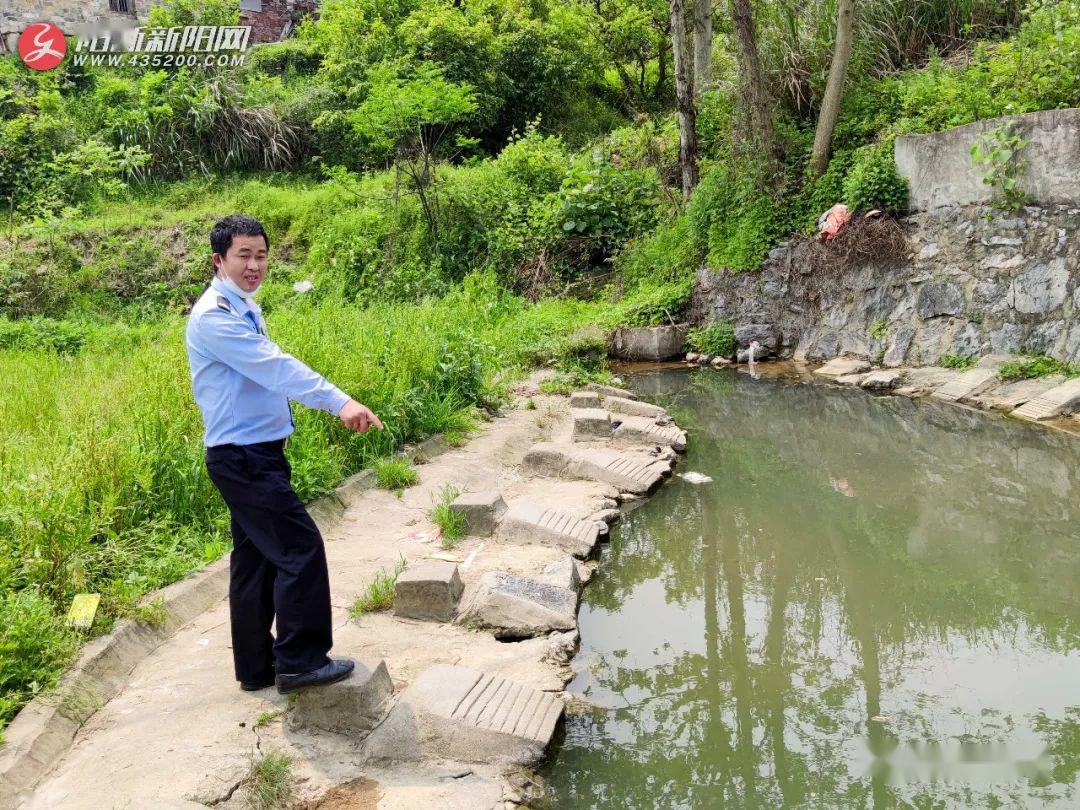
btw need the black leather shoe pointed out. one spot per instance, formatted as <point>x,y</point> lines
<point>260,683</point>
<point>333,672</point>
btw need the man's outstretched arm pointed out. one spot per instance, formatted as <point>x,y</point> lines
<point>232,342</point>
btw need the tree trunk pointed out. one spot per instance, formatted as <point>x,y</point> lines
<point>661,73</point>
<point>834,89</point>
<point>684,100</point>
<point>702,46</point>
<point>752,79</point>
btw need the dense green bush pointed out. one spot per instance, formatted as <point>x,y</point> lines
<point>873,180</point>
<point>716,340</point>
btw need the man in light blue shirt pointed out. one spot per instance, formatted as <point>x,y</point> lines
<point>243,383</point>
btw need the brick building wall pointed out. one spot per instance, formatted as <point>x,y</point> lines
<point>267,23</point>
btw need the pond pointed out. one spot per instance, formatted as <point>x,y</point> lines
<point>874,603</point>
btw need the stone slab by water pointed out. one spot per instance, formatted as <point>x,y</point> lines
<point>584,399</point>
<point>429,591</point>
<point>634,407</point>
<point>516,607</point>
<point>482,511</point>
<point>1059,400</point>
<point>464,715</point>
<point>353,706</point>
<point>843,366</point>
<point>621,471</point>
<point>590,424</point>
<point>968,384</point>
<point>645,430</point>
<point>610,391</point>
<point>527,522</point>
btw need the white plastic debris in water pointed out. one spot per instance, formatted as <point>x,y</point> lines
<point>695,478</point>
<point>303,286</point>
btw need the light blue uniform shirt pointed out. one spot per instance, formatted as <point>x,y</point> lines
<point>242,380</point>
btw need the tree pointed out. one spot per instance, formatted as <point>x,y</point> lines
<point>684,100</point>
<point>834,89</point>
<point>756,94</point>
<point>702,46</point>
<point>406,118</point>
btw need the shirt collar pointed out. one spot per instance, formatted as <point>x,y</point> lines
<point>241,305</point>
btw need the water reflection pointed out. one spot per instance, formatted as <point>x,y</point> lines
<point>873,604</point>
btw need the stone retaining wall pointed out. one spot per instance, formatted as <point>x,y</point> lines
<point>978,281</point>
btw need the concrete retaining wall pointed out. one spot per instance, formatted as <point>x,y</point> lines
<point>940,171</point>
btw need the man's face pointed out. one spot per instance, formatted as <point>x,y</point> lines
<point>244,262</point>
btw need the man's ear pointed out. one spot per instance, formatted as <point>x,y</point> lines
<point>216,259</point>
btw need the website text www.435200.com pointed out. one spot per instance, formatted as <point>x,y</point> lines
<point>162,60</point>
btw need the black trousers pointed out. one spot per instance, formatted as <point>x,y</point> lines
<point>278,564</point>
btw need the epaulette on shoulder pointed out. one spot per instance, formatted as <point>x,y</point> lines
<point>223,303</point>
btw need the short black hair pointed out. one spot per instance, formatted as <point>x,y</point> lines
<point>221,235</point>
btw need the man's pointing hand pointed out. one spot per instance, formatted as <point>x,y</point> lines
<point>358,417</point>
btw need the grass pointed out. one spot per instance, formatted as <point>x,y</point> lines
<point>961,362</point>
<point>395,474</point>
<point>105,490</point>
<point>379,595</point>
<point>270,782</point>
<point>268,717</point>
<point>450,522</point>
<point>1039,365</point>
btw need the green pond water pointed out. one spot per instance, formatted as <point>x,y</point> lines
<point>874,603</point>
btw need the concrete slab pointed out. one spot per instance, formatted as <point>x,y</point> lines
<point>850,379</point>
<point>527,522</point>
<point>884,380</point>
<point>611,391</point>
<point>464,715</point>
<point>1065,398</point>
<point>633,407</point>
<point>353,706</point>
<point>1012,395</point>
<point>617,469</point>
<point>646,431</point>
<point>429,591</point>
<point>648,342</point>
<point>584,399</point>
<point>516,607</point>
<point>840,366</point>
<point>590,424</point>
<point>563,573</point>
<point>482,511</point>
<point>968,384</point>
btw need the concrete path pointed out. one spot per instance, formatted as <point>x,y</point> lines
<point>182,734</point>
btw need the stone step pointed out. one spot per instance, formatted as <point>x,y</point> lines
<point>353,706</point>
<point>611,391</point>
<point>584,399</point>
<point>464,715</point>
<point>646,431</point>
<point>968,384</point>
<point>590,424</point>
<point>429,591</point>
<point>482,511</point>
<point>621,471</point>
<point>527,522</point>
<point>1055,402</point>
<point>517,607</point>
<point>840,366</point>
<point>634,407</point>
<point>884,380</point>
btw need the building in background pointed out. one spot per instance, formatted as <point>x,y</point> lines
<point>270,20</point>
